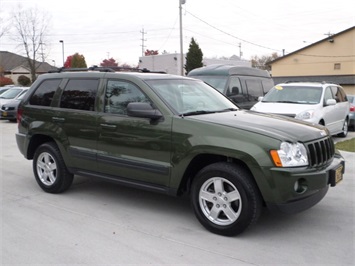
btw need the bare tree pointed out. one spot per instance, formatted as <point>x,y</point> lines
<point>31,27</point>
<point>4,27</point>
<point>261,62</point>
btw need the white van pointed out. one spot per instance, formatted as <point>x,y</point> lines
<point>315,102</point>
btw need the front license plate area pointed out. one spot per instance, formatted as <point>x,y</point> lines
<point>336,175</point>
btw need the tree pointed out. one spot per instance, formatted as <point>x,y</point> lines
<point>109,63</point>
<point>193,57</point>
<point>262,62</point>
<point>75,61</point>
<point>31,27</point>
<point>24,80</point>
<point>151,52</point>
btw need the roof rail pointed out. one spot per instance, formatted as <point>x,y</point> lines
<point>105,69</point>
<point>315,81</point>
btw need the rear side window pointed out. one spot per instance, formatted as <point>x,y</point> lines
<point>44,94</point>
<point>80,94</point>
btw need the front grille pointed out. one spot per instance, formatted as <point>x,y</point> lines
<point>320,152</point>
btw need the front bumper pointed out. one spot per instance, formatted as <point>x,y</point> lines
<point>288,199</point>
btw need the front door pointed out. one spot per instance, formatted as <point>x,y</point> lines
<point>136,149</point>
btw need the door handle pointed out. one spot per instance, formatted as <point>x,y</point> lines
<point>108,126</point>
<point>58,119</point>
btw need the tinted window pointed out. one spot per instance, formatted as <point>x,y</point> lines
<point>119,94</point>
<point>44,94</point>
<point>235,87</point>
<point>80,94</point>
<point>254,89</point>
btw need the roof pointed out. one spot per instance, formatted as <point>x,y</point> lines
<point>341,79</point>
<point>10,61</point>
<point>313,44</point>
<point>226,70</point>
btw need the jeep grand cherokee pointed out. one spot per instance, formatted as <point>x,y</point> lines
<point>174,135</point>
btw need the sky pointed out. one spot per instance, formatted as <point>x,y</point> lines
<point>120,29</point>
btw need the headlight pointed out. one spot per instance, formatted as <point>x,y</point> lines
<point>305,115</point>
<point>290,155</point>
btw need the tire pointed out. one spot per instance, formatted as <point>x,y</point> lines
<point>50,170</point>
<point>345,129</point>
<point>225,199</point>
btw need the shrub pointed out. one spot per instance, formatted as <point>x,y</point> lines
<point>23,80</point>
<point>5,81</point>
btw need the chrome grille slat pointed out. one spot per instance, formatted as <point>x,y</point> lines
<point>320,151</point>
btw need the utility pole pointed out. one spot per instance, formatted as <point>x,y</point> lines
<point>181,2</point>
<point>240,51</point>
<point>42,54</point>
<point>143,40</point>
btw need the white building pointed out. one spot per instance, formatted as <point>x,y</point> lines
<point>171,63</point>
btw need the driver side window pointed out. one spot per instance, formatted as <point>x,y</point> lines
<point>119,94</point>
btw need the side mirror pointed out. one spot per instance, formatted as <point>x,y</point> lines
<point>330,102</point>
<point>260,98</point>
<point>143,110</point>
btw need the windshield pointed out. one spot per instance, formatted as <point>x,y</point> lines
<point>218,82</point>
<point>189,97</point>
<point>10,94</point>
<point>294,94</point>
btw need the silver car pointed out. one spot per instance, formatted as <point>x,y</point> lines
<point>314,102</point>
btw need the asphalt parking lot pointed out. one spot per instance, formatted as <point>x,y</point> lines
<point>96,223</point>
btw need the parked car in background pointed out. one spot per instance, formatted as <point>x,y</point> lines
<point>11,94</point>
<point>316,102</point>
<point>8,111</point>
<point>243,85</point>
<point>3,89</point>
<point>351,99</point>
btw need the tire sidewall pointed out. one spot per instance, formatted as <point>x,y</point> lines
<point>50,148</point>
<point>239,180</point>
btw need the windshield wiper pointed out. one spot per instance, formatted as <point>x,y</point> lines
<point>198,112</point>
<point>279,102</point>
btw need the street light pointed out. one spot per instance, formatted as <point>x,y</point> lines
<point>181,2</point>
<point>62,50</point>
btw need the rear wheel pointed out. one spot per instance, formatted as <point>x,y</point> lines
<point>225,199</point>
<point>345,129</point>
<point>50,170</point>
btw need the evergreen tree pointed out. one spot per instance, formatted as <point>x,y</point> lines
<point>193,56</point>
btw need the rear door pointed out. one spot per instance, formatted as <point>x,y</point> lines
<point>76,118</point>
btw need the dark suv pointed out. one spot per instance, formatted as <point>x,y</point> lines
<point>174,135</point>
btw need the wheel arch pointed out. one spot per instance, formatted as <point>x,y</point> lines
<point>202,160</point>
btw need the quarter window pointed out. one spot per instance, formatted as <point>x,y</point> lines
<point>119,94</point>
<point>80,94</point>
<point>44,94</point>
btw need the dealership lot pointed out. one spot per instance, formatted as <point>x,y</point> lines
<point>97,223</point>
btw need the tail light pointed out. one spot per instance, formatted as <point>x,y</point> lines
<point>19,115</point>
<point>352,108</point>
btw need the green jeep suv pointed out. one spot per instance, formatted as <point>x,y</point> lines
<point>174,135</point>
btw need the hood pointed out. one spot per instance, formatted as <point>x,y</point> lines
<point>279,108</point>
<point>278,127</point>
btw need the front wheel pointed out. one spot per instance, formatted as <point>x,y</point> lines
<point>50,170</point>
<point>225,199</point>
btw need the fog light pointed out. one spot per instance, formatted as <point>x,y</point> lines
<point>300,186</point>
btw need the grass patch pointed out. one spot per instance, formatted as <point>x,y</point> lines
<point>347,145</point>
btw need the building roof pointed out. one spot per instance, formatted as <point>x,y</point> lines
<point>329,38</point>
<point>10,61</point>
<point>337,79</point>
